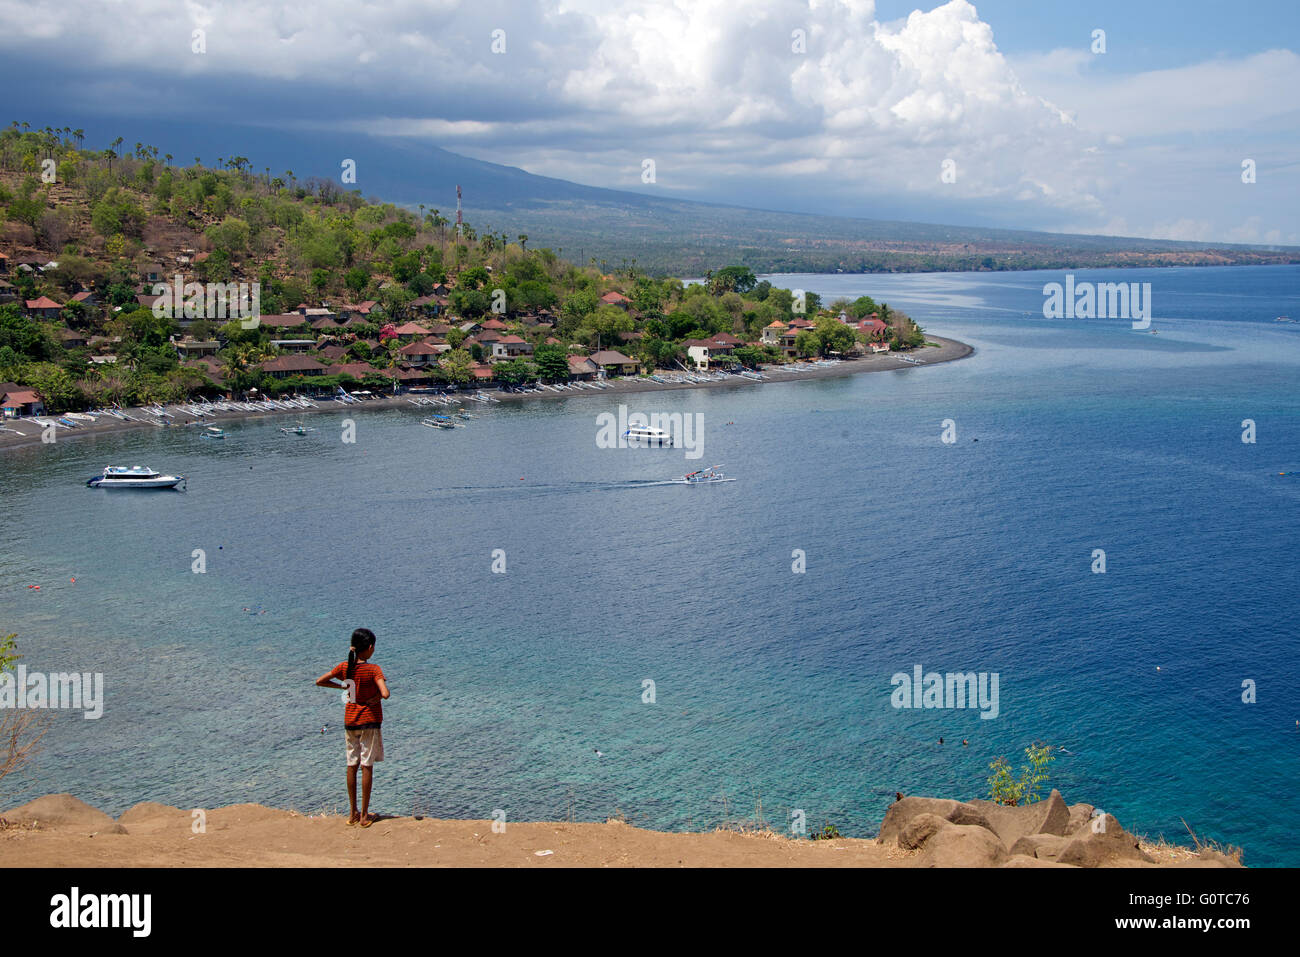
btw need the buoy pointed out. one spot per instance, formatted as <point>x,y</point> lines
<point>73,580</point>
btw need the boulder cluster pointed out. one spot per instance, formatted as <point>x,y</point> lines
<point>1046,833</point>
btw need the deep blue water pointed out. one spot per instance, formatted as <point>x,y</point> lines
<point>771,686</point>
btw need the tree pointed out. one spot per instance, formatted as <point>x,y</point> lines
<point>833,336</point>
<point>862,307</point>
<point>457,366</point>
<point>739,279</point>
<point>515,371</point>
<point>21,729</point>
<point>552,362</point>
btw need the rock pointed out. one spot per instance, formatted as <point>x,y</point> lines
<point>1080,814</point>
<point>64,811</point>
<point>1012,823</point>
<point>963,845</point>
<point>150,816</point>
<point>1044,847</point>
<point>920,829</point>
<point>970,815</point>
<point>902,811</point>
<point>1111,845</point>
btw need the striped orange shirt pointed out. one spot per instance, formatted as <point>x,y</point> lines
<point>367,676</point>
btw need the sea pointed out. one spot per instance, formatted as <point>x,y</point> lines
<point>1100,521</point>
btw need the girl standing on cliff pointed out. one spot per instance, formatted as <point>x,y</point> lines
<point>363,717</point>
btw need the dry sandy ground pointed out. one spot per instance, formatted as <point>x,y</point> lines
<point>60,831</point>
<point>946,351</point>
<point>249,835</point>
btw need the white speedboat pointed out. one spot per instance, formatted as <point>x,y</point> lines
<point>137,476</point>
<point>212,432</point>
<point>649,435</point>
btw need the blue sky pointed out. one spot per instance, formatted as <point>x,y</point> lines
<point>995,113</point>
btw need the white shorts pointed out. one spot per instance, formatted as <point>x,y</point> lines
<point>365,747</point>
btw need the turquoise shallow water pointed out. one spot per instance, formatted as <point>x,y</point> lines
<point>771,687</point>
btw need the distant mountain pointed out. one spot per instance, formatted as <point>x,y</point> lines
<point>664,236</point>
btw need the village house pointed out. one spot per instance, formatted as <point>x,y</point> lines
<point>314,313</point>
<point>282,367</point>
<point>18,401</point>
<point>209,367</point>
<point>72,339</point>
<point>43,308</point>
<point>419,353</point>
<point>508,347</point>
<point>874,328</point>
<point>294,345</point>
<point>7,291</point>
<point>581,367</point>
<point>616,299</point>
<point>407,376</point>
<point>368,311</point>
<point>284,320</point>
<point>703,352</point>
<point>612,362</point>
<point>411,331</point>
<point>358,370</point>
<point>772,333</point>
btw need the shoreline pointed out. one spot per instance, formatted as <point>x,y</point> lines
<point>949,350</point>
<point>58,830</point>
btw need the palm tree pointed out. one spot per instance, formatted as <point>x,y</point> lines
<point>523,241</point>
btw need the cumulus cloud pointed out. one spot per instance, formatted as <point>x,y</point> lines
<point>741,98</point>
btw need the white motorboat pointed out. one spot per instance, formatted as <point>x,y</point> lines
<point>648,434</point>
<point>137,476</point>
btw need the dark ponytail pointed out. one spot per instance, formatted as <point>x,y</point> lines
<point>362,639</point>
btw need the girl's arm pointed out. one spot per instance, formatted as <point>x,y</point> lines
<point>325,681</point>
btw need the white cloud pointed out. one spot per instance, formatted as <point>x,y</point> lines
<point>711,89</point>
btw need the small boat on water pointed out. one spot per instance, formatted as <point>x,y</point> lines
<point>137,476</point>
<point>212,432</point>
<point>705,476</point>
<point>297,430</point>
<point>649,435</point>
<point>438,422</point>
